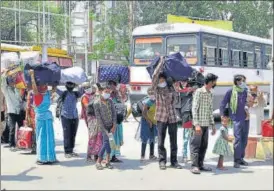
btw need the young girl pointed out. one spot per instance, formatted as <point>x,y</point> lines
<point>147,132</point>
<point>221,146</point>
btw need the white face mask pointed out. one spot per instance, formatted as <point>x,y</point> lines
<point>106,96</point>
<point>88,91</point>
<point>243,85</point>
<point>162,85</point>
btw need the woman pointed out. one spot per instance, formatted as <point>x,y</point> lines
<point>94,136</point>
<point>44,124</point>
<point>118,134</point>
<point>30,118</point>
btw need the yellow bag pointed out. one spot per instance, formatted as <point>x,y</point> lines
<point>151,114</point>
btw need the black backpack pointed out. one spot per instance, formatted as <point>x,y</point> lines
<point>137,108</point>
<point>121,112</point>
<point>90,109</point>
<point>60,102</point>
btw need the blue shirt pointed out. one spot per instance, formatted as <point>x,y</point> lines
<point>240,114</point>
<point>69,106</point>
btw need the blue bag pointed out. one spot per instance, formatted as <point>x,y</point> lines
<point>45,73</point>
<point>118,73</point>
<point>175,66</point>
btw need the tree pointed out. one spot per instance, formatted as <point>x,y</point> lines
<point>29,23</point>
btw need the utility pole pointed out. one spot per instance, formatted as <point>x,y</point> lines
<point>44,47</point>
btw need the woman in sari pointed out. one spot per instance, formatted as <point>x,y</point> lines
<point>45,143</point>
<point>30,118</point>
<point>94,137</point>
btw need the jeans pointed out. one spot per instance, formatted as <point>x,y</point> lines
<point>186,137</point>
<point>172,131</point>
<point>241,130</point>
<point>143,150</point>
<point>198,147</point>
<point>106,146</point>
<point>13,120</point>
<point>70,127</point>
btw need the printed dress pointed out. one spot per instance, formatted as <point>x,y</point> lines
<point>221,146</point>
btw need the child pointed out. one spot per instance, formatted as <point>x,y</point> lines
<point>221,146</point>
<point>147,131</point>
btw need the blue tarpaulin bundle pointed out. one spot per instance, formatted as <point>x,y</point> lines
<point>45,73</point>
<point>175,66</point>
<point>118,73</point>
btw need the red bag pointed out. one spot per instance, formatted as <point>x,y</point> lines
<point>187,125</point>
<point>267,128</point>
<point>24,137</point>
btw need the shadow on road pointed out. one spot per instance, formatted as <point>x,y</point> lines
<point>75,162</point>
<point>132,164</point>
<point>21,176</point>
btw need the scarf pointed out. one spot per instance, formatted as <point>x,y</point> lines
<point>234,98</point>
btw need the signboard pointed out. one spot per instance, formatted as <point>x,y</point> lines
<point>219,24</point>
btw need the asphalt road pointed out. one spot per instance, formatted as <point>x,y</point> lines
<point>19,171</point>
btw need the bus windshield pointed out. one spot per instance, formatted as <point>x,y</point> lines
<point>146,49</point>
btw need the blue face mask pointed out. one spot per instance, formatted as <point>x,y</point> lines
<point>243,85</point>
<point>106,96</point>
<point>162,85</point>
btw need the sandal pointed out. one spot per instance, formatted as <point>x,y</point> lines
<point>153,157</point>
<point>195,170</point>
<point>99,166</point>
<point>205,169</point>
<point>115,160</point>
<point>109,166</point>
<point>40,163</point>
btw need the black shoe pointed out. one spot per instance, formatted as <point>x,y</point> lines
<point>33,152</point>
<point>162,165</point>
<point>176,166</point>
<point>243,163</point>
<point>237,165</point>
<point>205,169</point>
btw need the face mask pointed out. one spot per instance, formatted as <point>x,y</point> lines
<point>242,85</point>
<point>89,91</point>
<point>105,96</point>
<point>152,97</point>
<point>162,85</point>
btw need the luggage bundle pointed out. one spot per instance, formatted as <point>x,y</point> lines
<point>119,73</point>
<point>24,137</point>
<point>73,74</point>
<point>177,68</point>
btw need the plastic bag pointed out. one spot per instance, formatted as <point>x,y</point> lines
<point>73,74</point>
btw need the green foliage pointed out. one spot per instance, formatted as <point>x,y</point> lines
<point>29,21</point>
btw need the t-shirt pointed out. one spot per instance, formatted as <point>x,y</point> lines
<point>151,111</point>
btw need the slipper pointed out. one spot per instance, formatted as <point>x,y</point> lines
<point>205,169</point>
<point>195,170</point>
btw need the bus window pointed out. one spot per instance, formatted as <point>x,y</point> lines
<point>258,59</point>
<point>235,52</point>
<point>267,56</point>
<point>186,45</point>
<point>65,62</point>
<point>53,59</point>
<point>223,51</point>
<point>210,50</point>
<point>248,55</point>
<point>146,49</point>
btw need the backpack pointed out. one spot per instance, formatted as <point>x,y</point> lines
<point>121,112</point>
<point>137,108</point>
<point>60,101</point>
<point>90,108</point>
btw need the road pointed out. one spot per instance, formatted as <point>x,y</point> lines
<point>19,171</point>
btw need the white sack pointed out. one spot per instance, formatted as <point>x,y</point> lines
<point>73,74</point>
<point>9,59</point>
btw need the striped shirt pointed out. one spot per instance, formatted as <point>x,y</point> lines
<point>202,108</point>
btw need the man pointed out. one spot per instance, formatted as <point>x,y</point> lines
<point>165,116</point>
<point>69,117</point>
<point>14,108</point>
<point>236,99</point>
<point>202,111</point>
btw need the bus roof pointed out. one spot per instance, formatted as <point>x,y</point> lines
<point>178,28</point>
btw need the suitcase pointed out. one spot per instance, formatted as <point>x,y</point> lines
<point>118,73</point>
<point>267,128</point>
<point>24,137</point>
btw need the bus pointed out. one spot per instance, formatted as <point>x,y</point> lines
<point>59,56</point>
<point>206,49</point>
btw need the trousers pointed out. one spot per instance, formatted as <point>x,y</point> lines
<point>198,147</point>
<point>70,127</point>
<point>241,130</point>
<point>172,131</point>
